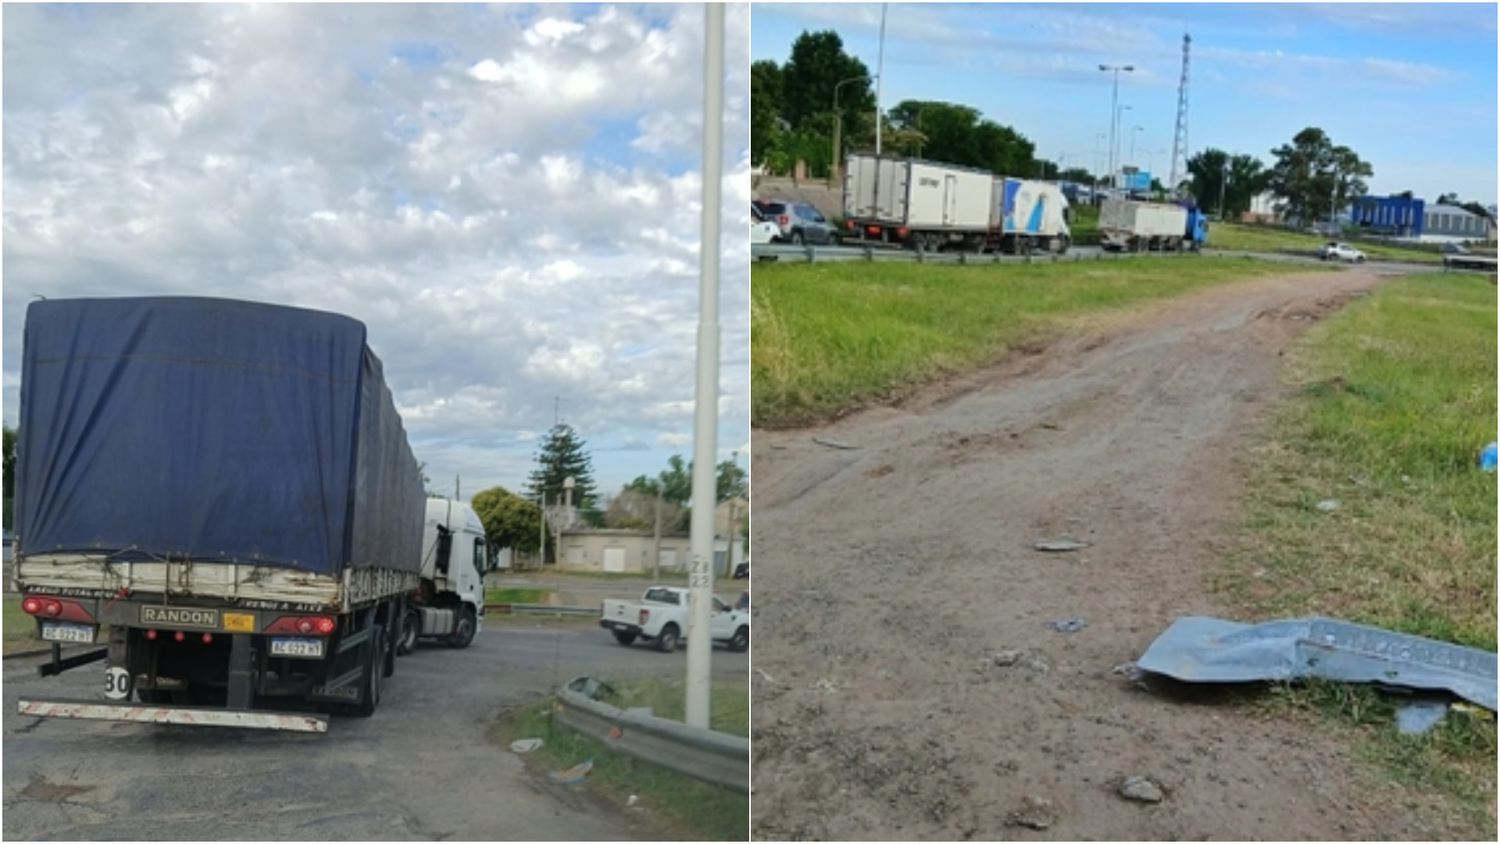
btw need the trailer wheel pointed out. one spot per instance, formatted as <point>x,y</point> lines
<point>463,632</point>
<point>374,671</point>
<point>411,628</point>
<point>1063,243</point>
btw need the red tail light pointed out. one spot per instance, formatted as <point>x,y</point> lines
<point>872,229</point>
<point>849,224</point>
<point>303,625</point>
<point>56,608</point>
<point>208,638</point>
<point>783,219</point>
<point>32,606</point>
<point>645,616</point>
<point>151,634</point>
<point>179,636</point>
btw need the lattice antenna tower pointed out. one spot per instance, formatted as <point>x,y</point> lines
<point>1180,137</point>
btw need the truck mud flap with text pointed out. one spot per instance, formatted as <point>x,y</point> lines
<point>90,710</point>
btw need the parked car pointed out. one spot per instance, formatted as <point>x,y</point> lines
<point>1332,251</point>
<point>799,222</point>
<point>764,231</point>
<point>742,570</point>
<point>661,617</point>
<point>1455,249</point>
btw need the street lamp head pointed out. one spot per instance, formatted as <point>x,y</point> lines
<point>1104,68</point>
<point>1128,68</point>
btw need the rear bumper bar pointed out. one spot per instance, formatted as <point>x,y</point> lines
<point>301,722</point>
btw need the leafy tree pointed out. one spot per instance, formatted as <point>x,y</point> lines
<point>817,64</point>
<point>732,482</point>
<point>676,484</point>
<point>562,454</point>
<point>1314,177</point>
<point>510,521</point>
<point>956,134</point>
<point>1471,206</point>
<point>10,474</point>
<point>765,109</point>
<point>1077,174</point>
<point>1246,177</point>
<point>635,509</point>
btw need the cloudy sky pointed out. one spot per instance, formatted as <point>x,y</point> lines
<point>508,197</point>
<point>1411,88</point>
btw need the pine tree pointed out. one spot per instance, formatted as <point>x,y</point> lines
<point>563,454</point>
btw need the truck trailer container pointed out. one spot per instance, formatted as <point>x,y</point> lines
<point>931,206</point>
<point>227,486</point>
<point>1135,226</point>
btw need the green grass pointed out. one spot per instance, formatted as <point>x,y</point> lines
<point>596,575</point>
<point>20,628</point>
<point>1247,238</point>
<point>1396,395</point>
<point>829,337</point>
<point>676,806</point>
<point>516,595</point>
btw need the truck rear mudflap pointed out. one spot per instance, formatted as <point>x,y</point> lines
<point>93,710</point>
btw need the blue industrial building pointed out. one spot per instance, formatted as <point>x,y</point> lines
<point>1401,215</point>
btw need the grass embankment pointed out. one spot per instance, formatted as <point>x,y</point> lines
<point>826,338</point>
<point>675,806</point>
<point>20,628</point>
<point>1245,238</point>
<point>1396,398</point>
<point>517,595</point>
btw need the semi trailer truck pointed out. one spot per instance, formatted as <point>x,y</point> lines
<point>931,206</point>
<point>227,489</point>
<point>1132,226</point>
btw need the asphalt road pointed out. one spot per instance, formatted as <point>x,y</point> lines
<point>420,768</point>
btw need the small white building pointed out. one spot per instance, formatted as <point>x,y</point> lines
<point>1451,223</point>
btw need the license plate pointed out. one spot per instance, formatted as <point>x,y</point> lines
<point>312,648</point>
<point>55,632</point>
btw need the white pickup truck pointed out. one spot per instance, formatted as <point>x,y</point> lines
<point>661,617</point>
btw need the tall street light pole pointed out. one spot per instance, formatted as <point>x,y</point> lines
<point>838,128</point>
<point>1113,111</point>
<point>1114,171</point>
<point>706,397</point>
<point>879,76</point>
<point>1133,130</point>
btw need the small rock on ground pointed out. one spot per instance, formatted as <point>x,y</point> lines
<point>1035,813</point>
<point>1140,789</point>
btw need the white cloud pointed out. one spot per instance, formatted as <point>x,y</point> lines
<point>475,206</point>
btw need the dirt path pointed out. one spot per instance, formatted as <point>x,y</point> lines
<point>892,574</point>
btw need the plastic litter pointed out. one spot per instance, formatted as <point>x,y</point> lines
<point>573,775</point>
<point>1487,458</point>
<point>632,800</point>
<point>525,745</point>
<point>843,446</point>
<point>1072,624</point>
<point>1195,649</point>
<point>1061,544</point>
<point>1328,505</point>
<point>1418,717</point>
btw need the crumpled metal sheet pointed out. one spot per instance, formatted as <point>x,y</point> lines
<point>1209,650</point>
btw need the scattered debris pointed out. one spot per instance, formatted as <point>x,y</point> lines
<point>826,686</point>
<point>1487,457</point>
<point>1071,624</point>
<point>1035,813</point>
<point>1140,789</point>
<point>1007,658</point>
<point>631,801</point>
<point>525,745</point>
<point>1130,671</point>
<point>573,775</point>
<point>1472,711</point>
<point>1208,650</point>
<point>1419,716</point>
<point>1061,544</point>
<point>1328,505</point>
<point>1051,426</point>
<point>768,677</point>
<point>843,446</point>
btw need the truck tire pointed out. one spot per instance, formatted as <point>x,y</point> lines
<point>1063,243</point>
<point>625,637</point>
<point>666,640</point>
<point>740,641</point>
<point>388,658</point>
<point>411,628</point>
<point>374,671</point>
<point>463,631</point>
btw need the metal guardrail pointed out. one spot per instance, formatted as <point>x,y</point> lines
<point>1481,263</point>
<point>540,609</point>
<point>791,253</point>
<point>713,757</point>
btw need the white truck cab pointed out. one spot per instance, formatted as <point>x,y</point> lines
<point>661,617</point>
<point>450,601</point>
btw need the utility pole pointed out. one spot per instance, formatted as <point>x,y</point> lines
<point>879,78</point>
<point>734,460</point>
<point>1223,181</point>
<point>541,562</point>
<point>838,129</point>
<point>1114,173</point>
<point>706,397</point>
<point>1114,112</point>
<point>656,539</point>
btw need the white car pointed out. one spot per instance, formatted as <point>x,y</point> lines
<point>764,231</point>
<point>1340,252</point>
<point>660,617</point>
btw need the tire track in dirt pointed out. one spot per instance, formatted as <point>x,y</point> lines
<point>891,575</point>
